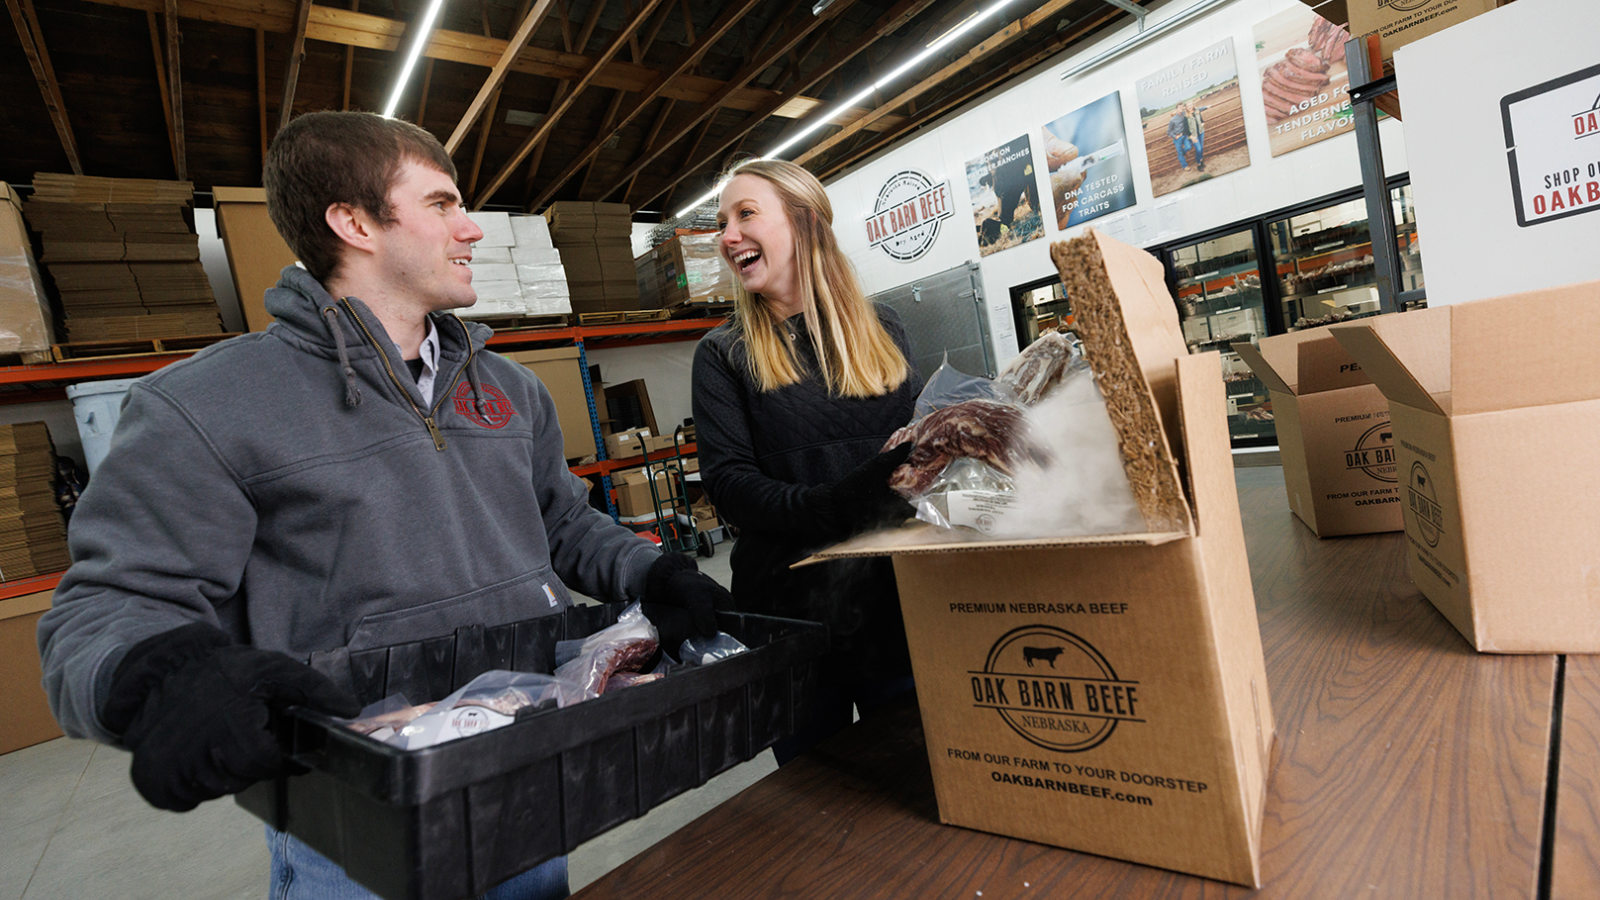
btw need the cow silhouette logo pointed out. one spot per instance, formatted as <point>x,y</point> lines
<point>1422,503</point>
<point>1374,454</point>
<point>1054,689</point>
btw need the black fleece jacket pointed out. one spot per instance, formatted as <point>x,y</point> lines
<point>762,452</point>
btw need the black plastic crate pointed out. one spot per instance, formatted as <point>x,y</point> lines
<point>455,819</point>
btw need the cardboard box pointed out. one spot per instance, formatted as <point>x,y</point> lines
<point>690,270</point>
<point>558,369</point>
<point>1397,24</point>
<point>1334,435</point>
<point>1106,694</point>
<point>626,443</point>
<point>1496,413</point>
<point>256,252</point>
<point>25,717</point>
<point>633,490</point>
<point>629,405</point>
<point>25,323</point>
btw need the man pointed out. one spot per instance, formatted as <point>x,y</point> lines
<point>363,473</point>
<point>1197,132</point>
<point>1178,130</point>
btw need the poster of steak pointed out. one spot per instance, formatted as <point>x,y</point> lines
<point>1191,117</point>
<point>1086,153</point>
<point>1005,197</point>
<point>1304,85</point>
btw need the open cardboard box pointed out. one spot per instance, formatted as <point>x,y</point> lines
<point>25,717</point>
<point>1106,694</point>
<point>1496,413</point>
<point>1334,435</point>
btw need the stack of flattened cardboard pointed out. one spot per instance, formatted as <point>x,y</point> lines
<point>597,254</point>
<point>516,270</point>
<point>33,539</point>
<point>26,327</point>
<point>123,256</point>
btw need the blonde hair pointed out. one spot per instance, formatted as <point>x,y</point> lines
<point>857,357</point>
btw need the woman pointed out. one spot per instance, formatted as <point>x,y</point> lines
<point>793,398</point>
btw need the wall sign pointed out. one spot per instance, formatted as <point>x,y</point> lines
<point>1086,153</point>
<point>1192,119</point>
<point>1005,197</point>
<point>906,215</point>
<point>1305,88</point>
<point>1553,147</point>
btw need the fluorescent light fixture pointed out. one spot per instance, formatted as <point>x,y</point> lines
<point>816,10</point>
<point>933,47</point>
<point>721,183</point>
<point>419,41</point>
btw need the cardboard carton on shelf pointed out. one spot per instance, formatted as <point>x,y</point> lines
<point>628,404</point>
<point>1066,683</point>
<point>558,368</point>
<point>256,252</point>
<point>633,490</point>
<point>1398,24</point>
<point>25,717</point>
<point>1496,413</point>
<point>25,323</point>
<point>1334,435</point>
<point>626,443</point>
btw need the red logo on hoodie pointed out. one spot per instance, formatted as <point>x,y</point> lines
<point>497,410</point>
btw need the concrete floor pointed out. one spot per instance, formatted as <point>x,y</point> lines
<point>72,827</point>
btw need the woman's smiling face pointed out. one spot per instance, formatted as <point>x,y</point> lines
<point>757,239</point>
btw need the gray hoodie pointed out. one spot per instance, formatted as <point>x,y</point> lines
<point>290,487</point>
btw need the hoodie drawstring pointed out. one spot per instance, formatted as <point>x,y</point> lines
<point>478,405</point>
<point>352,394</point>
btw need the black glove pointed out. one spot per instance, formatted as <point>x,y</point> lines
<point>193,707</point>
<point>680,600</point>
<point>861,500</point>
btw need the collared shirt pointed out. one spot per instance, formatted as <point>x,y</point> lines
<point>430,363</point>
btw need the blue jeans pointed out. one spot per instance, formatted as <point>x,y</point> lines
<point>1182,145</point>
<point>301,873</point>
<point>1199,144</point>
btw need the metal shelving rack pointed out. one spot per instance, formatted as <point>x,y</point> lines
<point>1364,92</point>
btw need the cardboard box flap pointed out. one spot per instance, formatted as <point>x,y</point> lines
<point>238,195</point>
<point>1325,365</point>
<point>1266,368</point>
<point>924,538</point>
<point>1531,349</point>
<point>1407,355</point>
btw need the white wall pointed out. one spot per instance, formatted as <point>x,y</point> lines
<point>943,151</point>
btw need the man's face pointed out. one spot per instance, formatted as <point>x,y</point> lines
<point>426,250</point>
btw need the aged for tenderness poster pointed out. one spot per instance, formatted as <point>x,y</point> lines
<point>1304,86</point>
<point>1191,117</point>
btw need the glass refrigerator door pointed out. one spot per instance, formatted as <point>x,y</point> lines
<point>1324,262</point>
<point>1406,246</point>
<point>1218,287</point>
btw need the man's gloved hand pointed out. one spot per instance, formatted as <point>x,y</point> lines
<point>193,707</point>
<point>862,500</point>
<point>681,601</point>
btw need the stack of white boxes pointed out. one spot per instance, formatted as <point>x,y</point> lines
<point>515,268</point>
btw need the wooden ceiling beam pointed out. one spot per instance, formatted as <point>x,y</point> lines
<point>620,40</point>
<point>261,91</point>
<point>161,85</point>
<point>349,63</point>
<point>711,104</point>
<point>32,38</point>
<point>1001,37</point>
<point>1055,45</point>
<point>297,54</point>
<point>174,87</point>
<point>531,171</point>
<point>887,24</point>
<point>356,29</point>
<point>729,16</point>
<point>494,101</point>
<point>497,75</point>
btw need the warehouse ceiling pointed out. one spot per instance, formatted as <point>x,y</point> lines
<point>636,101</point>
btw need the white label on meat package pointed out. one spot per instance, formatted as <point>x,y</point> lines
<point>979,509</point>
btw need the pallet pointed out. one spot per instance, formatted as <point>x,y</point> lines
<point>623,316</point>
<point>29,358</point>
<point>699,310</point>
<point>80,350</point>
<point>521,321</point>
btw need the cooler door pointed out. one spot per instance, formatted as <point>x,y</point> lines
<point>1218,289</point>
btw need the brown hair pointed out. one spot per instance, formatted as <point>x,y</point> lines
<point>329,157</point>
<point>856,355</point>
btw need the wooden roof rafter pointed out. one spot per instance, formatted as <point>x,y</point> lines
<point>32,38</point>
<point>774,52</point>
<point>297,54</point>
<point>887,24</point>
<point>620,40</point>
<point>725,21</point>
<point>1055,45</point>
<point>497,75</point>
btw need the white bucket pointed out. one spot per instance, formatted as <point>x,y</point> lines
<point>96,406</point>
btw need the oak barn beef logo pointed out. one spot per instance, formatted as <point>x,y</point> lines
<point>1054,689</point>
<point>1422,502</point>
<point>906,214</point>
<point>1552,134</point>
<point>497,410</point>
<point>1374,454</point>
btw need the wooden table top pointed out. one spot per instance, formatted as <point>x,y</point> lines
<point>1407,765</point>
